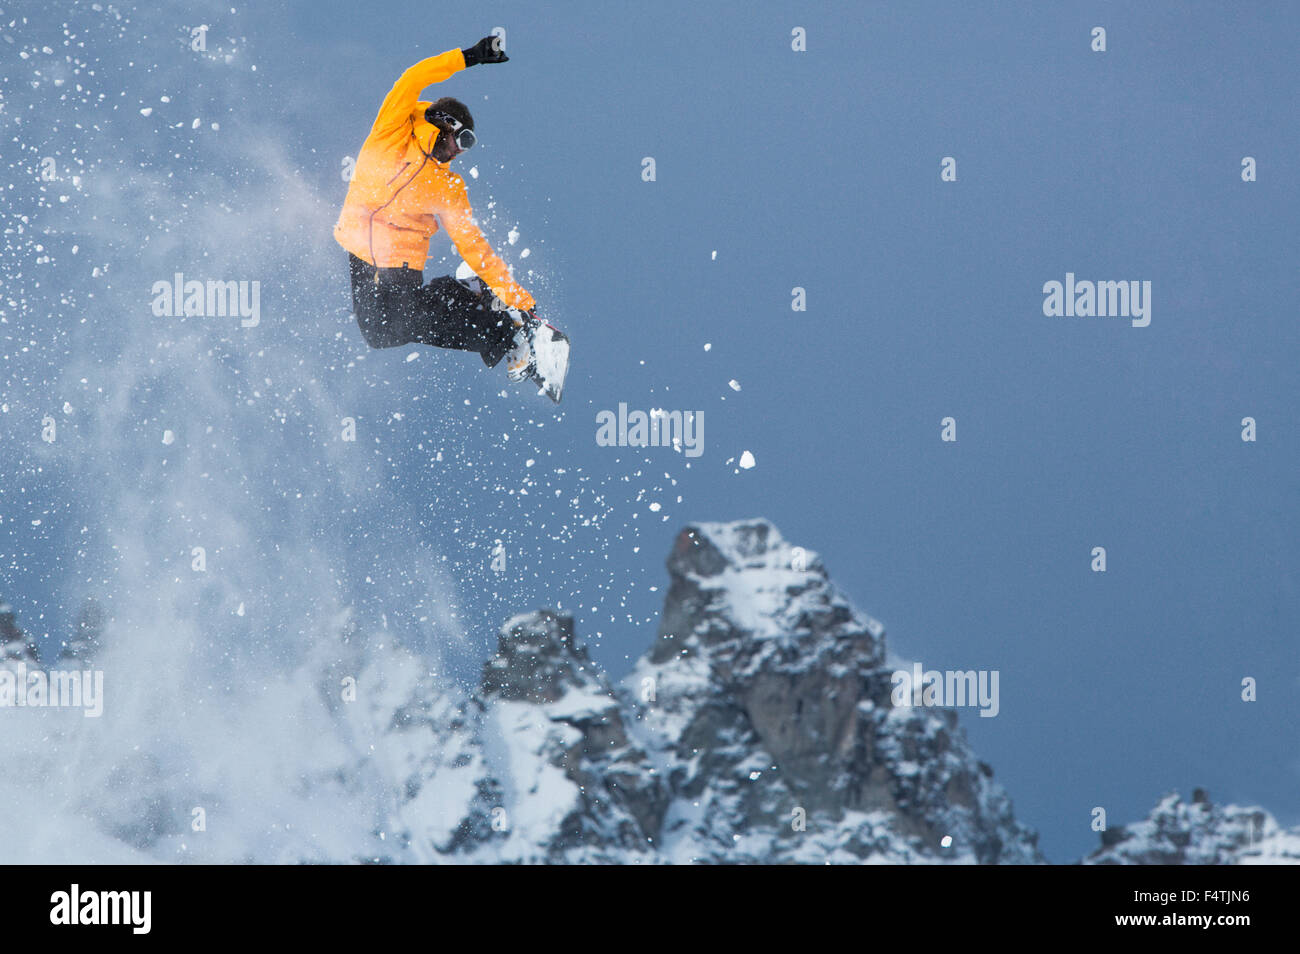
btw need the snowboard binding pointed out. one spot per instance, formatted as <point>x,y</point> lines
<point>541,355</point>
<point>540,351</point>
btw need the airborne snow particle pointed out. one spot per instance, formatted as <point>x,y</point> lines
<point>946,841</point>
<point>746,460</point>
<point>412,356</point>
<point>525,253</point>
<point>715,255</point>
<point>735,385</point>
<point>473,171</point>
<point>708,346</point>
<point>168,437</point>
<point>147,111</point>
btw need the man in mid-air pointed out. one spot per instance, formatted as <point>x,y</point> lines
<point>401,191</point>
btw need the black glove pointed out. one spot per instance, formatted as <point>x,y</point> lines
<point>486,50</point>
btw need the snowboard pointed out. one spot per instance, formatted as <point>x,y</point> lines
<point>550,359</point>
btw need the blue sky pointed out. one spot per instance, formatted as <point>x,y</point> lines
<point>819,170</point>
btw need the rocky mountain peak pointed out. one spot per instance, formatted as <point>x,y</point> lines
<point>742,583</point>
<point>769,709</point>
<point>1198,832</point>
<point>707,549</point>
<point>537,660</point>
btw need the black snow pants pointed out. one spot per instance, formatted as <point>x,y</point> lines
<point>399,309</point>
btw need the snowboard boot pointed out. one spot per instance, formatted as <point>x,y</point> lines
<point>520,360</point>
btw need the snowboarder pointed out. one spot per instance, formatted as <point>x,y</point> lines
<point>402,190</point>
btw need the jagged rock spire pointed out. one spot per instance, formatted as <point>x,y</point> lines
<point>770,712</point>
<point>537,659</point>
<point>715,568</point>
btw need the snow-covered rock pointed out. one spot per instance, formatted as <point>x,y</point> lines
<point>765,702</point>
<point>534,767</point>
<point>1198,832</point>
<point>757,728</point>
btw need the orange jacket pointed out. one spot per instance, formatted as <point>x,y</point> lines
<point>399,193</point>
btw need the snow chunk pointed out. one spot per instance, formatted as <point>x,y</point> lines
<point>746,460</point>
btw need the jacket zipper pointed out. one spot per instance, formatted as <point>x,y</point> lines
<point>373,261</point>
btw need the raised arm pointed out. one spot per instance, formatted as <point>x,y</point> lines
<point>401,99</point>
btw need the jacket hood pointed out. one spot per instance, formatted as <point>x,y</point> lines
<point>425,132</point>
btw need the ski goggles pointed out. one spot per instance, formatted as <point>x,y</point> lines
<point>462,134</point>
